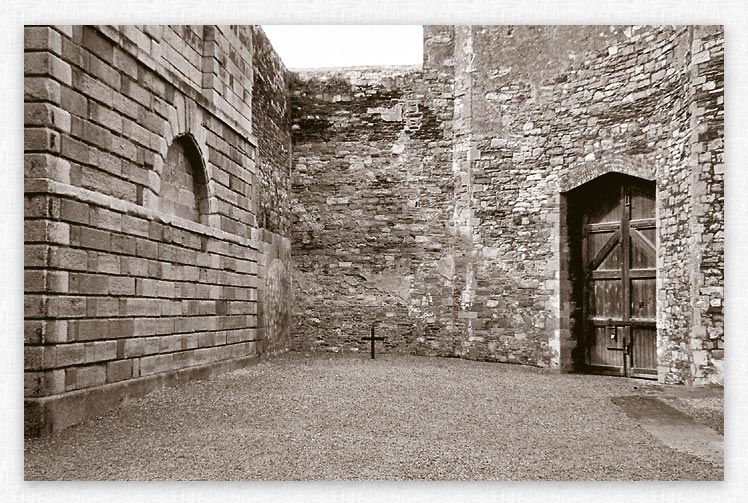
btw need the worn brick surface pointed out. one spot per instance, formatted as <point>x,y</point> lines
<point>372,200</point>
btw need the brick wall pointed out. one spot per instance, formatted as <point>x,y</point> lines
<point>123,293</point>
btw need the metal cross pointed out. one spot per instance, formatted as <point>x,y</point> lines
<point>372,339</point>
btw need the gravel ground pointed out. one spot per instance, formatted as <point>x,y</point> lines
<point>300,417</point>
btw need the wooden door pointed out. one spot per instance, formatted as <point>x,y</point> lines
<point>619,262</point>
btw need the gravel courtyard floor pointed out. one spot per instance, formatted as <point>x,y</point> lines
<point>298,417</point>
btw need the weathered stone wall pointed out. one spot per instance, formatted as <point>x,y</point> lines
<point>706,162</point>
<point>635,112</point>
<point>536,111</point>
<point>372,203</point>
<point>549,115</point>
<point>271,123</point>
<point>122,296</point>
<point>592,101</point>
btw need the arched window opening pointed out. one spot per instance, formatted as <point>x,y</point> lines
<point>183,182</point>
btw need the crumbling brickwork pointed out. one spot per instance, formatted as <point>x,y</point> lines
<point>130,284</point>
<point>271,123</point>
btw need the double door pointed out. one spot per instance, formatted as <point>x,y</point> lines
<point>618,253</point>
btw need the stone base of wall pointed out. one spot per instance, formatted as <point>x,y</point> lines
<point>43,416</point>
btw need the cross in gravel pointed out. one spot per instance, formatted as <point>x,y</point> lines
<point>372,339</point>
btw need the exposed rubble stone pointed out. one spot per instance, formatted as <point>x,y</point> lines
<point>433,200</point>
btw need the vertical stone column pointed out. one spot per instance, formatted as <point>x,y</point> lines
<point>462,218</point>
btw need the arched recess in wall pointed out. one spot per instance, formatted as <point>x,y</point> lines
<point>184,181</point>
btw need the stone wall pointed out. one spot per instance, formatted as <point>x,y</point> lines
<point>372,202</point>
<point>124,294</point>
<point>535,112</point>
<point>430,201</point>
<point>554,107</point>
<point>576,111</point>
<point>707,240</point>
<point>271,123</point>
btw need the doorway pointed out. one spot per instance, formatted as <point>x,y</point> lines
<point>613,236</point>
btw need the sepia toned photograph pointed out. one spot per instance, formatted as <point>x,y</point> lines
<point>374,252</point>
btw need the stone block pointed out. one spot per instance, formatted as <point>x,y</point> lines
<point>100,351</point>
<point>34,281</point>
<point>155,364</point>
<point>67,307</point>
<point>42,89</point>
<point>73,102</point>
<point>102,307</point>
<point>104,262</point>
<point>70,354</point>
<point>125,63</point>
<point>46,166</point>
<point>45,331</point>
<point>89,284</point>
<point>122,285</point>
<point>68,258</point>
<point>47,64</point>
<point>84,377</point>
<point>135,226</point>
<point>75,150</point>
<point>39,384</point>
<point>41,140</point>
<point>137,307</point>
<point>96,135</point>
<point>94,239</point>
<point>89,329</point>
<point>42,38</point>
<point>146,248</point>
<point>74,211</point>
<point>104,72</point>
<point>92,88</point>
<point>39,357</point>
<point>133,347</point>
<point>118,370</point>
<point>46,114</point>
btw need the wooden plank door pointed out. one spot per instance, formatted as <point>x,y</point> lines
<point>619,261</point>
